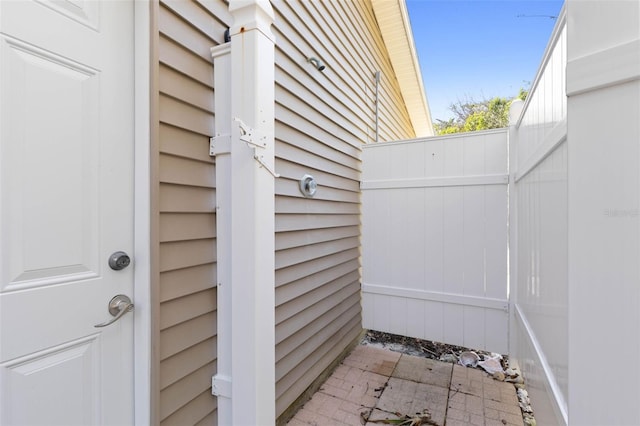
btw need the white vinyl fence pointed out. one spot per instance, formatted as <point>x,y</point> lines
<point>435,238</point>
<point>434,227</point>
<point>539,235</point>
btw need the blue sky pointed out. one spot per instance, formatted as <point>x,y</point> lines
<point>478,49</point>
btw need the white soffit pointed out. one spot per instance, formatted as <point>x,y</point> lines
<point>395,27</point>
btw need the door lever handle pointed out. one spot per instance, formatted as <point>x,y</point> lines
<point>118,306</point>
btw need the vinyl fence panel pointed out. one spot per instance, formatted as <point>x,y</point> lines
<point>539,228</point>
<point>434,239</point>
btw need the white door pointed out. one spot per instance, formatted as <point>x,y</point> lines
<point>66,204</point>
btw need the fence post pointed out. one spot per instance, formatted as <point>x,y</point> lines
<point>603,161</point>
<point>514,115</point>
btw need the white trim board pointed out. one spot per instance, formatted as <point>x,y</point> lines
<point>438,182</point>
<point>435,138</point>
<point>553,140</point>
<point>142,215</point>
<point>435,296</point>
<point>560,405</point>
<point>610,67</point>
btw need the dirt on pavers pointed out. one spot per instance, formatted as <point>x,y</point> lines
<point>419,347</point>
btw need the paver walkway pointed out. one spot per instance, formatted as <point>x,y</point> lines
<point>374,384</point>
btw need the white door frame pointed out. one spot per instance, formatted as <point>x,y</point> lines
<point>142,214</point>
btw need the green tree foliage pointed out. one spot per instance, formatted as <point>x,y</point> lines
<point>470,115</point>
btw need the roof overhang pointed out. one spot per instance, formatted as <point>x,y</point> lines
<point>395,27</point>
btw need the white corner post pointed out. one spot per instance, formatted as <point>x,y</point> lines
<point>603,156</point>
<point>244,149</point>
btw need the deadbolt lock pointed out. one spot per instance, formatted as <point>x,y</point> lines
<point>119,260</point>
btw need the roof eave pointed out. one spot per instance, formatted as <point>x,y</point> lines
<point>395,28</point>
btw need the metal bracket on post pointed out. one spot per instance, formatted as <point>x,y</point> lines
<point>221,386</point>
<point>255,139</point>
<point>260,159</point>
<point>251,136</point>
<point>219,144</point>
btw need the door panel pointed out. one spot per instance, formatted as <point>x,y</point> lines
<point>66,204</point>
<point>52,206</point>
<point>37,378</point>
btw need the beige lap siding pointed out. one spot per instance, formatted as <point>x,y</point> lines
<point>185,208</point>
<point>322,119</point>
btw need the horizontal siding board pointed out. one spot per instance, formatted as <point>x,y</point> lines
<point>317,333</point>
<point>394,116</point>
<point>292,307</point>
<point>353,67</point>
<point>186,362</point>
<point>352,76</point>
<point>361,53</point>
<point>294,222</point>
<point>287,240</point>
<point>217,8</point>
<point>348,141</point>
<point>210,419</point>
<point>288,327</point>
<point>321,121</point>
<point>394,122</point>
<point>311,94</point>
<point>181,114</point>
<point>186,199</point>
<point>183,254</point>
<point>336,105</point>
<point>187,226</point>
<point>309,283</point>
<point>182,282</point>
<point>294,72</point>
<point>374,58</point>
<point>176,311</point>
<point>317,276</point>
<point>187,334</point>
<point>298,255</point>
<point>182,143</point>
<point>183,171</point>
<point>299,146</point>
<point>186,204</point>
<point>204,404</point>
<point>180,86</point>
<point>175,56</point>
<point>293,118</point>
<point>325,177</point>
<point>288,389</point>
<point>369,44</point>
<point>200,18</point>
<point>291,188</point>
<point>372,34</point>
<point>296,272</point>
<point>292,68</point>
<point>294,205</point>
<point>296,32</point>
<point>186,390</point>
<point>186,35</point>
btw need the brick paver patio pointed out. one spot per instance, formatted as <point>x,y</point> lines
<point>376,384</point>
